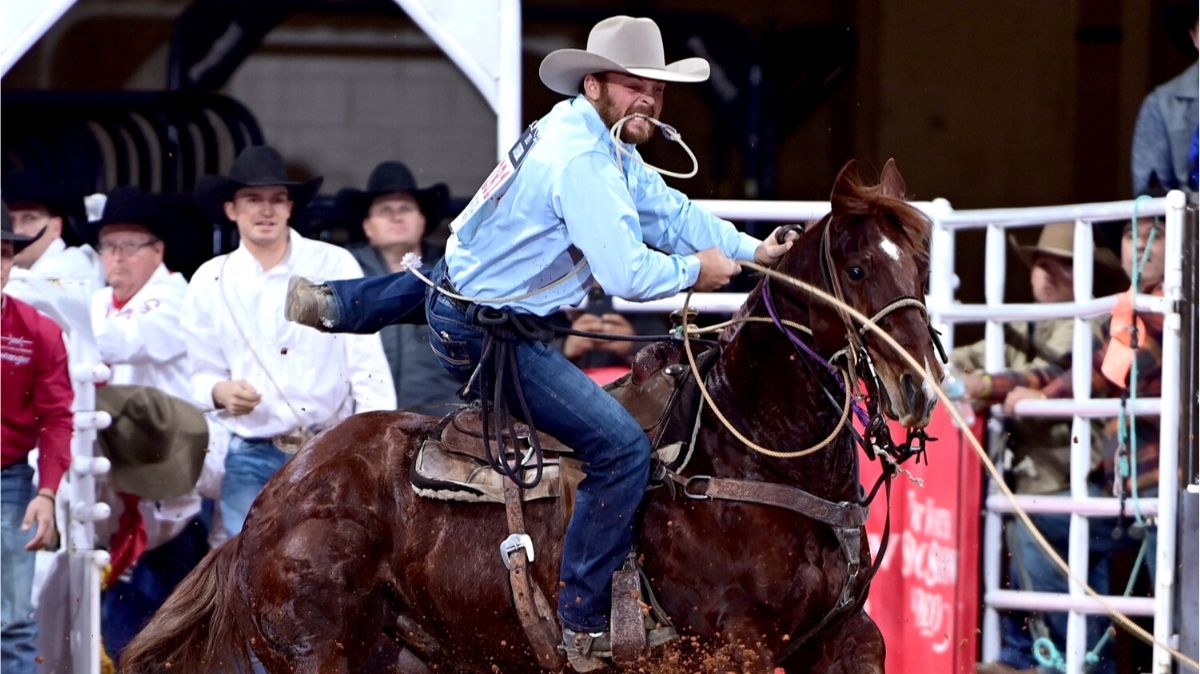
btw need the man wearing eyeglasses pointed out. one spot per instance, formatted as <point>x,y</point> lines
<point>136,322</point>
<point>136,318</point>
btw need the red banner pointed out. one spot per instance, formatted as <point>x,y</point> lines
<point>925,597</point>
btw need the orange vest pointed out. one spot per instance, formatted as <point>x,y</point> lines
<point>1118,356</point>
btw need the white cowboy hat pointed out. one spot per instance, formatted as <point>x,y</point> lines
<point>618,44</point>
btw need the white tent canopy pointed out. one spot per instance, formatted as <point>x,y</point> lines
<point>486,46</point>
<point>25,22</point>
<point>483,38</point>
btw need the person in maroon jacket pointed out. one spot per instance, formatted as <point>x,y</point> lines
<point>36,411</point>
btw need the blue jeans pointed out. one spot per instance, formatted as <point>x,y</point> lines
<point>1016,640</point>
<point>367,305</point>
<point>18,631</point>
<point>248,465</point>
<point>615,452</point>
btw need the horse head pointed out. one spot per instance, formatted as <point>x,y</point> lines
<point>872,252</point>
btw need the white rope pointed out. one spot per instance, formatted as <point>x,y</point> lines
<point>669,132</point>
<point>412,262</point>
<point>712,405</point>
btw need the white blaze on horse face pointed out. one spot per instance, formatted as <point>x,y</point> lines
<point>930,393</point>
<point>890,248</point>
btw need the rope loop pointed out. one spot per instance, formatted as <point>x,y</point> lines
<point>669,132</point>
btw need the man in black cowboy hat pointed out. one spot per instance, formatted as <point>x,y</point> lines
<point>278,382</point>
<point>1165,139</point>
<point>396,215</point>
<point>37,204</point>
<point>35,408</point>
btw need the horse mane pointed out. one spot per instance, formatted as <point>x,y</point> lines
<point>853,197</point>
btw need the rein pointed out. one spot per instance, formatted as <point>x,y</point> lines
<point>855,354</point>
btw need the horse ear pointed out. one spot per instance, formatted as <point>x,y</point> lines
<point>891,182</point>
<point>845,187</point>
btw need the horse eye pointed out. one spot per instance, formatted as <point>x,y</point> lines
<point>856,273</point>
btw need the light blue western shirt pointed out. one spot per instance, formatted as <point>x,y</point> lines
<point>571,200</point>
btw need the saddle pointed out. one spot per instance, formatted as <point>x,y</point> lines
<point>452,464</point>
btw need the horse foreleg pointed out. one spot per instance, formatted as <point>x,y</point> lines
<point>853,647</point>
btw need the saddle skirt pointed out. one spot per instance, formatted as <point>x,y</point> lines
<point>452,465</point>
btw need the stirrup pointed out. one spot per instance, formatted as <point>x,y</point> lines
<point>590,651</point>
<point>310,304</point>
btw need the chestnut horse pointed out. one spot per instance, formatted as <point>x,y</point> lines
<point>341,567</point>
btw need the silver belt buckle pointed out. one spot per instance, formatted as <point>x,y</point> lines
<point>292,441</point>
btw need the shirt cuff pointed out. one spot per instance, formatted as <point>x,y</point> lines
<point>745,248</point>
<point>202,389</point>
<point>691,270</point>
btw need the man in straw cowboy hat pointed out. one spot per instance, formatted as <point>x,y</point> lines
<point>1041,448</point>
<point>279,383</point>
<point>36,404</point>
<point>572,203</point>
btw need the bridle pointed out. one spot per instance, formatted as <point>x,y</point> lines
<point>858,358</point>
<point>856,363</point>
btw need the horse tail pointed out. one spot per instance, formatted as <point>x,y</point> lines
<point>198,628</point>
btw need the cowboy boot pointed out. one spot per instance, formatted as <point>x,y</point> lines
<point>310,304</point>
<point>585,649</point>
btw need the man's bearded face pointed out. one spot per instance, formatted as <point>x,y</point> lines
<point>622,95</point>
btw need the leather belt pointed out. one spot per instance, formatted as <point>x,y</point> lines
<point>461,305</point>
<point>289,442</point>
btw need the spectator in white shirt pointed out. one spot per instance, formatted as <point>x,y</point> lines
<point>136,325</point>
<point>278,381</point>
<point>36,204</point>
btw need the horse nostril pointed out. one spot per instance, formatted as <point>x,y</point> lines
<point>913,395</point>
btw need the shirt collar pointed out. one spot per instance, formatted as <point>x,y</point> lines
<point>56,247</point>
<point>159,274</point>
<point>595,125</point>
<point>242,256</point>
<point>1184,86</point>
<point>591,119</point>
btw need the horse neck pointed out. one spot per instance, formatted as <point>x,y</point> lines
<point>764,387</point>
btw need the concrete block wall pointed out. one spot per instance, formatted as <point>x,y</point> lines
<point>339,116</point>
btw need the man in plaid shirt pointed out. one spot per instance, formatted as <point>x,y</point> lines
<point>1126,340</point>
<point>1035,354</point>
<point>1126,356</point>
